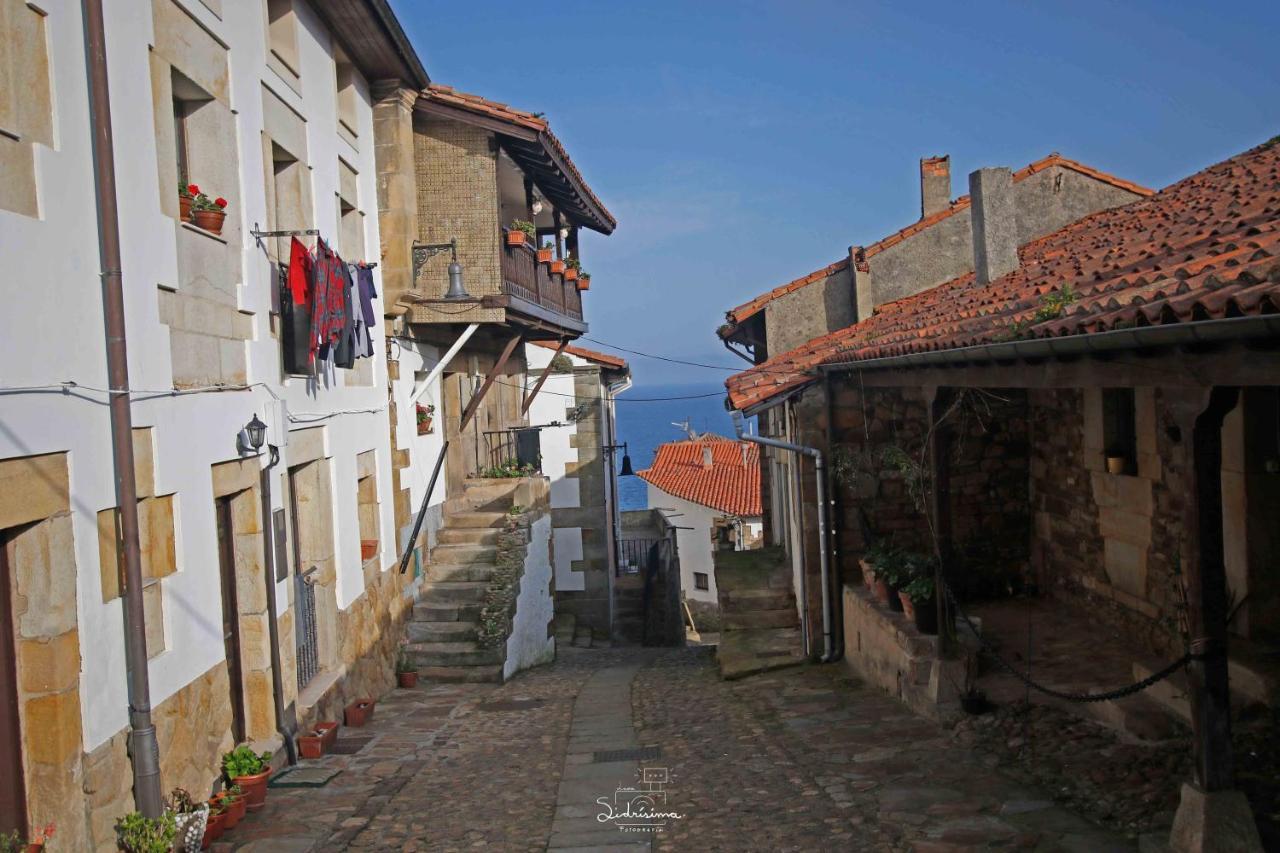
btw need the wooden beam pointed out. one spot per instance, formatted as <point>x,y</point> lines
<point>474,404</point>
<point>1198,417</point>
<point>537,386</point>
<point>939,401</point>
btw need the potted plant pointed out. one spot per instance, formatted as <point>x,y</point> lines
<point>521,232</point>
<point>138,834</point>
<point>546,253</point>
<point>185,198</point>
<point>584,280</point>
<point>15,843</point>
<point>876,551</point>
<point>890,575</point>
<point>359,712</point>
<point>234,802</point>
<point>426,414</point>
<point>207,213</point>
<point>216,823</point>
<point>249,770</point>
<point>918,603</point>
<point>368,549</point>
<point>1117,462</point>
<point>571,268</point>
<point>189,818</point>
<point>557,267</point>
<point>328,733</point>
<point>406,671</point>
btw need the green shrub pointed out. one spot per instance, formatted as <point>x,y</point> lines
<point>138,834</point>
<point>243,761</point>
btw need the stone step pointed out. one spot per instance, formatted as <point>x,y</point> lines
<point>748,619</point>
<point>474,519</point>
<point>564,624</point>
<point>451,654</point>
<point>454,592</point>
<point>442,632</point>
<point>468,536</point>
<point>1139,716</point>
<point>491,495</point>
<point>743,653</point>
<point>582,637</point>
<point>436,611</point>
<point>473,572</point>
<point>755,599</point>
<point>468,674</point>
<point>463,554</point>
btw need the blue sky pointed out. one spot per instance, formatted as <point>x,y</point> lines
<point>744,144</point>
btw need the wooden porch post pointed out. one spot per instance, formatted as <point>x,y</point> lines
<point>474,403</point>
<point>939,399</point>
<point>1210,812</point>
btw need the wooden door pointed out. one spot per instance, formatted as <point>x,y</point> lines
<point>230,615</point>
<point>13,800</point>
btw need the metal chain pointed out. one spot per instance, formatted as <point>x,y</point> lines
<point>1119,693</point>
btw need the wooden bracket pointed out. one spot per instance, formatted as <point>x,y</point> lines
<point>474,404</point>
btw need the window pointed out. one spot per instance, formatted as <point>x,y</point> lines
<point>350,219</point>
<point>367,506</point>
<point>282,38</point>
<point>1119,435</point>
<point>345,86</point>
<point>180,141</point>
<point>199,133</point>
<point>701,581</point>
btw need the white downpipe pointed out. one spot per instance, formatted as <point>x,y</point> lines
<point>440,365</point>
<point>823,558</point>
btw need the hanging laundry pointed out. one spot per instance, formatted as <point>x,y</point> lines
<point>365,318</point>
<point>299,271</point>
<point>344,351</point>
<point>295,324</point>
<point>328,302</point>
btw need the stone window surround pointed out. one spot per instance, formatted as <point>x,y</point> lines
<point>280,24</point>
<point>26,106</point>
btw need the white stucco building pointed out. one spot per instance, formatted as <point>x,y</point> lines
<point>709,489</point>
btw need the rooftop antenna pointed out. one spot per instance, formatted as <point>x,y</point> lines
<point>685,425</point>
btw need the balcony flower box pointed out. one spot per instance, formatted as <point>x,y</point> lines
<point>318,741</point>
<point>570,274</point>
<point>359,712</point>
<point>545,254</point>
<point>584,281</point>
<point>557,267</point>
<point>515,238</point>
<point>207,213</point>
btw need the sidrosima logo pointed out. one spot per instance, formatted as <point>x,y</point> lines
<point>642,809</point>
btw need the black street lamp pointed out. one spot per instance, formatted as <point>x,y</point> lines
<point>627,470</point>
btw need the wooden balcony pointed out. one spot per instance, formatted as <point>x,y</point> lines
<point>524,279</point>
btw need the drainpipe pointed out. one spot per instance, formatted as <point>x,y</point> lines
<point>828,653</point>
<point>144,752</point>
<point>273,627</point>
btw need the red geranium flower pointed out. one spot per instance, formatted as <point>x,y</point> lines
<point>193,189</point>
<point>220,201</point>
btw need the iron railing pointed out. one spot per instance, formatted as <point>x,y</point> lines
<point>520,447</point>
<point>524,277</point>
<point>308,646</point>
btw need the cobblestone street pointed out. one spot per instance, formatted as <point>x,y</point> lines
<point>802,759</point>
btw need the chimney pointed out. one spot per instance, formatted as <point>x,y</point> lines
<point>995,223</point>
<point>935,184</point>
<point>706,456</point>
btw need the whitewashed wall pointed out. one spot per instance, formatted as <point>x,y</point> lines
<point>528,644</point>
<point>550,406</point>
<point>694,543</point>
<point>54,330</point>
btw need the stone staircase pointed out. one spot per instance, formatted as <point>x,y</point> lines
<point>443,633</point>
<point>759,623</point>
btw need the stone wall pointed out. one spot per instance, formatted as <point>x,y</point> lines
<point>813,310</point>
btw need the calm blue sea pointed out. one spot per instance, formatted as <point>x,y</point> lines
<point>644,426</point>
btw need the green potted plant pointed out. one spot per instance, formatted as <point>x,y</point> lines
<point>250,770</point>
<point>425,414</point>
<point>14,842</point>
<point>890,574</point>
<point>521,232</point>
<point>546,253</point>
<point>571,268</point>
<point>189,818</point>
<point>185,198</point>
<point>138,834</point>
<point>216,823</point>
<point>917,597</point>
<point>557,267</point>
<point>207,213</point>
<point>406,670</point>
<point>584,280</point>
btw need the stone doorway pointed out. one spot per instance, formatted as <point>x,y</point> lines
<point>13,799</point>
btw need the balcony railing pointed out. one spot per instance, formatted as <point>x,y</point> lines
<point>525,278</point>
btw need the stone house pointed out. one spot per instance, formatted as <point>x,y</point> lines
<point>708,489</point>
<point>268,104</point>
<point>1091,415</point>
<point>575,415</point>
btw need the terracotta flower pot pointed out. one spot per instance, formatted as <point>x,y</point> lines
<point>516,238</point>
<point>584,282</point>
<point>545,255</point>
<point>311,746</point>
<point>908,608</point>
<point>213,829</point>
<point>868,574</point>
<point>881,589</point>
<point>236,805</point>
<point>368,549</point>
<point>359,712</point>
<point>407,679</point>
<point>209,220</point>
<point>328,733</point>
<point>184,207</point>
<point>255,789</point>
<point>424,426</point>
<point>557,267</point>
<point>570,274</point>
<point>1117,464</point>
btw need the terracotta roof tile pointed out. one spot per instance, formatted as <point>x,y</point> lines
<point>589,354</point>
<point>730,484</point>
<point>503,112</point>
<point>747,309</point>
<point>1206,247</point>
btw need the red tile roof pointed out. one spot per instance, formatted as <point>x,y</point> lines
<point>1206,247</point>
<point>747,309</point>
<point>529,121</point>
<point>600,358</point>
<point>730,484</point>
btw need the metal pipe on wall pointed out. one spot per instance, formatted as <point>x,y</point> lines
<point>144,751</point>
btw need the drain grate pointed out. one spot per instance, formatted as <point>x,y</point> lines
<point>511,705</point>
<point>304,777</point>
<point>636,753</point>
<point>350,745</point>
